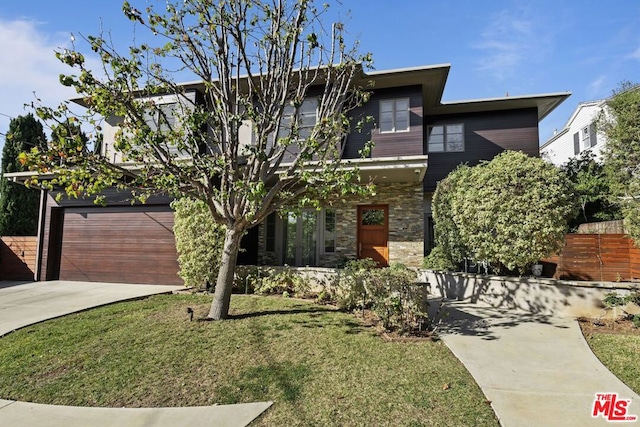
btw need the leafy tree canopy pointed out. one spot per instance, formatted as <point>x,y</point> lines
<point>19,205</point>
<point>258,61</point>
<point>510,212</point>
<point>621,124</point>
<point>592,190</point>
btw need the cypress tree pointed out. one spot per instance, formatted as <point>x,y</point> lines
<point>18,204</point>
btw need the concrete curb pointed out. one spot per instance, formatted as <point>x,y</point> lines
<point>33,414</point>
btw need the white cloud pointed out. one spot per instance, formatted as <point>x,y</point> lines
<point>596,87</point>
<point>29,65</point>
<point>508,43</point>
<point>635,54</point>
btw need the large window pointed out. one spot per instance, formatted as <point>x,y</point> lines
<point>446,138</point>
<point>394,115</point>
<point>306,119</point>
<point>304,236</point>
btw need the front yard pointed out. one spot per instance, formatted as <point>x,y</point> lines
<point>617,344</point>
<point>319,366</point>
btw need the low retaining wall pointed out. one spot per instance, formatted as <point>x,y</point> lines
<point>541,296</point>
<point>561,298</point>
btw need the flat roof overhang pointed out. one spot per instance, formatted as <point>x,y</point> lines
<point>379,170</point>
<point>385,169</point>
<point>544,103</point>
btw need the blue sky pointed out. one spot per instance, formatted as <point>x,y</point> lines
<point>519,47</point>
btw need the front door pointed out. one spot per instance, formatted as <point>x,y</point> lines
<point>373,233</point>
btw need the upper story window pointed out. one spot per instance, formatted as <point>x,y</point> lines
<point>584,139</point>
<point>394,115</point>
<point>307,117</point>
<point>446,138</point>
<point>163,117</point>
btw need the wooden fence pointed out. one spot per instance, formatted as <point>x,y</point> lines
<point>595,257</point>
<point>17,257</point>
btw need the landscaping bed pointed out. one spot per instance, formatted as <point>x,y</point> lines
<point>608,326</point>
<point>616,342</point>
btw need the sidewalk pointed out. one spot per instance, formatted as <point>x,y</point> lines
<point>23,304</point>
<point>536,370</point>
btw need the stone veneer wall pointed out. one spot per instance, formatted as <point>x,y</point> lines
<point>406,227</point>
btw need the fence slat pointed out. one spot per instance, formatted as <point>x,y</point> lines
<point>595,257</point>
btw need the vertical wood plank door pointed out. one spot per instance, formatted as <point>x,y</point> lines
<point>132,244</point>
<point>373,233</point>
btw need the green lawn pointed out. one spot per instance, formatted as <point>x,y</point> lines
<point>320,367</point>
<point>620,354</point>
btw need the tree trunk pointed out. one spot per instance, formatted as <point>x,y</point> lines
<point>224,283</point>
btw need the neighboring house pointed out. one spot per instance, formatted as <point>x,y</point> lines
<point>580,134</point>
<point>418,141</point>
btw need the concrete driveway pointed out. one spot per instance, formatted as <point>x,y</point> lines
<point>23,304</point>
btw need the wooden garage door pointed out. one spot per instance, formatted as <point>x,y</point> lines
<point>132,244</point>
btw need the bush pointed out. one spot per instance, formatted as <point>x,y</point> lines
<point>613,299</point>
<point>391,293</point>
<point>281,281</point>
<point>439,260</point>
<point>511,211</point>
<point>199,242</point>
<point>350,292</point>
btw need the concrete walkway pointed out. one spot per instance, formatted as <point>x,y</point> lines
<point>536,370</point>
<point>23,304</point>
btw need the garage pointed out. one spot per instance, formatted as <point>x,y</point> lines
<point>131,244</point>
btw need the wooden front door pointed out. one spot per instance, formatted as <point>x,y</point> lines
<point>373,233</point>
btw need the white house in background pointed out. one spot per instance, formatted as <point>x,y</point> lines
<point>578,135</point>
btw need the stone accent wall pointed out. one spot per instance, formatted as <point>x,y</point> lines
<point>406,223</point>
<point>406,227</point>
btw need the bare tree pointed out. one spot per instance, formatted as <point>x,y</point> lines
<point>276,86</point>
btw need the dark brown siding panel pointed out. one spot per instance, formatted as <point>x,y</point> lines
<point>486,135</point>
<point>391,144</point>
<point>119,244</point>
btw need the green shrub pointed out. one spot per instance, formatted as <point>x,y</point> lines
<point>199,242</point>
<point>634,297</point>
<point>512,211</point>
<point>281,281</point>
<point>613,299</point>
<point>396,299</point>
<point>439,260</point>
<point>349,289</point>
<point>391,293</point>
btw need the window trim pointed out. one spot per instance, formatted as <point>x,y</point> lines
<point>445,142</point>
<point>585,138</point>
<point>394,115</point>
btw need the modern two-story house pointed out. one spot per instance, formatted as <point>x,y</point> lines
<point>418,140</point>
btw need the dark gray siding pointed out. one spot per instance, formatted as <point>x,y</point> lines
<point>486,135</point>
<point>391,144</point>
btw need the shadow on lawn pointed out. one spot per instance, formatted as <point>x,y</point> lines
<point>253,314</point>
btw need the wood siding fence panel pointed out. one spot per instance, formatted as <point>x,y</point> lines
<point>595,257</point>
<point>17,257</point>
<point>634,260</point>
